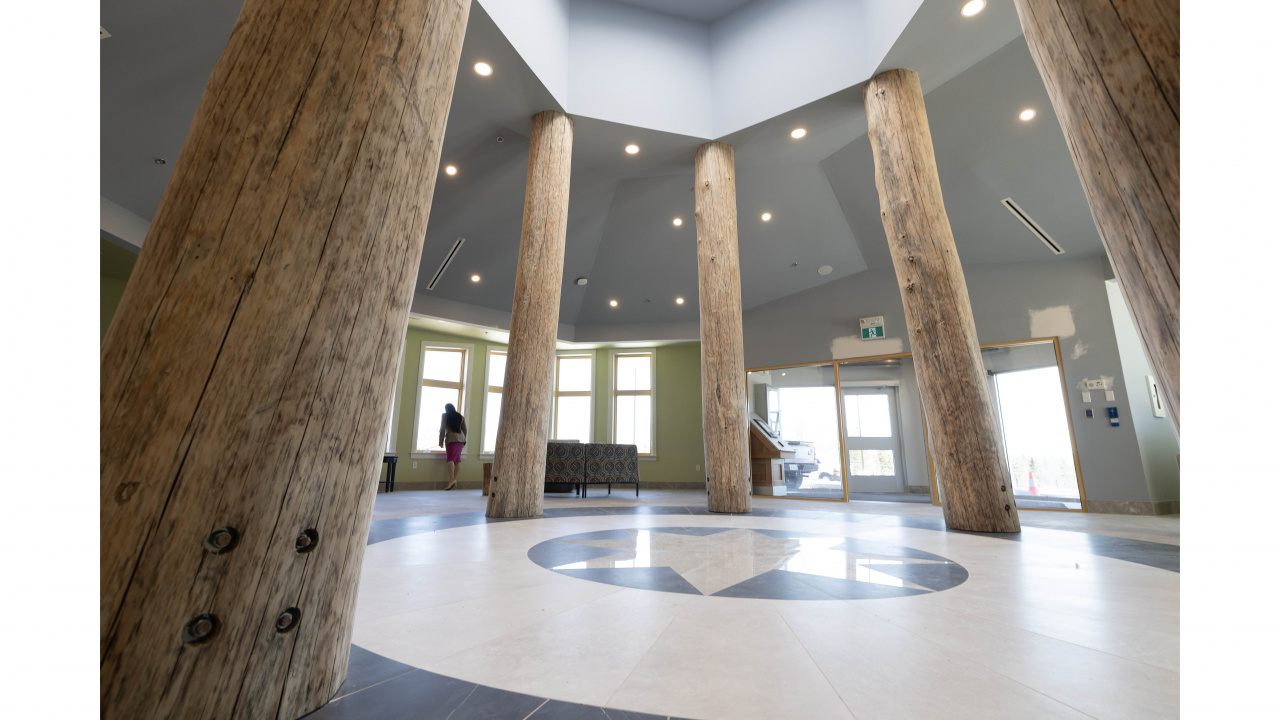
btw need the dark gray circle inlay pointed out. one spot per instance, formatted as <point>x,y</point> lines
<point>748,563</point>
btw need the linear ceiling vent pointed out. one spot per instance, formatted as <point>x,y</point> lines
<point>1032,225</point>
<point>453,253</point>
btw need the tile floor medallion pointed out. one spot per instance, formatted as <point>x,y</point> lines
<point>748,563</point>
<point>636,612</point>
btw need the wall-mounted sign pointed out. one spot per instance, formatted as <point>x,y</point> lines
<point>872,327</point>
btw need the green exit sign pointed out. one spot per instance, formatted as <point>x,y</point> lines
<point>872,327</point>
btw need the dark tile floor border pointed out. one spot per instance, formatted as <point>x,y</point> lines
<point>379,688</point>
<point>384,689</point>
<point>1143,552</point>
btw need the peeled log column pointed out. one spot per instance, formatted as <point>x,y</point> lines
<point>963,435</point>
<point>1111,69</point>
<point>724,394</point>
<point>520,458</point>
<point>246,378</point>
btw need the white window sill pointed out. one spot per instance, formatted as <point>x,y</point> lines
<point>432,456</point>
<point>646,458</point>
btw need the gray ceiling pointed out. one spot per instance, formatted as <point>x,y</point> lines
<point>704,11</point>
<point>820,189</point>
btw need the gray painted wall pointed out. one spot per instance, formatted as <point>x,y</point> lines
<point>821,323</point>
<point>1156,440</point>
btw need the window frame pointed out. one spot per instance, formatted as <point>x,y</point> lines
<point>490,351</point>
<point>394,430</point>
<point>467,350</point>
<point>652,392</point>
<point>590,393</point>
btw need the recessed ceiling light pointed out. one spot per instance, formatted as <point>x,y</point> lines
<point>475,278</point>
<point>679,301</point>
<point>159,161</point>
<point>677,222</point>
<point>784,374</point>
<point>483,68</point>
<point>798,133</point>
<point>1027,114</point>
<point>766,217</point>
<point>450,170</point>
<point>824,270</point>
<point>632,149</point>
<point>613,303</point>
<point>581,281</point>
<point>973,7</point>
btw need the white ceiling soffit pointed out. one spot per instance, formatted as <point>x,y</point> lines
<point>627,64</point>
<point>121,224</point>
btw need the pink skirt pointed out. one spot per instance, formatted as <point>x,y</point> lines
<point>453,452</point>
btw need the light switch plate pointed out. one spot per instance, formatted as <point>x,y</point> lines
<point>1111,396</point>
<point>1088,397</point>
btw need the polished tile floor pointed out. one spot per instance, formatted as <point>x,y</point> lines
<point>616,608</point>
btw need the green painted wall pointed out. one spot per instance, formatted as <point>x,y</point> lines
<point>112,289</point>
<point>678,397</point>
<point>115,267</point>
<point>678,402</point>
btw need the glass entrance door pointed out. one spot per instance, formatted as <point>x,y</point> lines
<point>872,440</point>
<point>1037,441</point>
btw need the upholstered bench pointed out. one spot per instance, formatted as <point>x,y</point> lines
<point>566,466</point>
<point>582,464</point>
<point>609,464</point>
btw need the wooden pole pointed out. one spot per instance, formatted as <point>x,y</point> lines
<point>1111,69</point>
<point>964,438</point>
<point>724,395</point>
<point>520,458</point>
<point>246,379</point>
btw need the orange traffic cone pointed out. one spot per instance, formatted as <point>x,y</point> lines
<point>1031,482</point>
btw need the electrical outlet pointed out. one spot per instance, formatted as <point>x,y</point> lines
<point>697,468</point>
<point>415,466</point>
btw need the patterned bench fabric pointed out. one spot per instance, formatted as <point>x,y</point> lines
<point>607,463</point>
<point>565,462</point>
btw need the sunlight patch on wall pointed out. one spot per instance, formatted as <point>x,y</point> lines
<point>853,346</point>
<point>1050,322</point>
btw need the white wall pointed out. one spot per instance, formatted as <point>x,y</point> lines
<point>1156,440</point>
<point>624,64</point>
<point>539,31</point>
<point>775,55</point>
<point>641,68</point>
<point>810,325</point>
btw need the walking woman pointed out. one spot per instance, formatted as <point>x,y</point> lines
<point>453,436</point>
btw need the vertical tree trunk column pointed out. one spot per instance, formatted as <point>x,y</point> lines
<point>520,458</point>
<point>724,381</point>
<point>247,375</point>
<point>1111,69</point>
<point>963,435</point>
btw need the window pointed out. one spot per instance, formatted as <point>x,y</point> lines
<point>633,416</point>
<point>444,373</point>
<point>496,372</point>
<point>393,425</point>
<point>572,414</point>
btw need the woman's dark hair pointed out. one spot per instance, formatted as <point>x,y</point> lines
<point>452,418</point>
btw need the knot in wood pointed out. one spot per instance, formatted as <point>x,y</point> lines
<point>910,258</point>
<point>911,287</point>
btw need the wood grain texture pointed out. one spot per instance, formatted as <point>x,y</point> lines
<point>246,378</point>
<point>1111,69</point>
<point>973,476</point>
<point>724,398</point>
<point>520,457</point>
